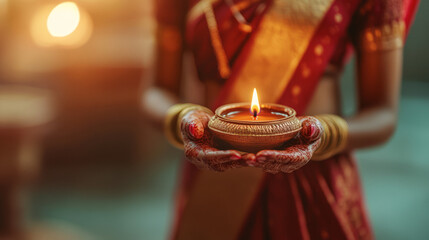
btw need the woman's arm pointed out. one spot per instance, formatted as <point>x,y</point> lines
<point>378,81</point>
<point>155,102</point>
<point>378,34</point>
<point>164,91</point>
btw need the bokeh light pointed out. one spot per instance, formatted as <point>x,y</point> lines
<point>63,19</point>
<point>64,25</point>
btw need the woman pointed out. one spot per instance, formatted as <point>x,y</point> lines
<point>293,53</point>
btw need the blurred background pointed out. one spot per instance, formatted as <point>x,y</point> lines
<point>78,160</point>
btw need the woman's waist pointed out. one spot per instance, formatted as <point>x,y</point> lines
<point>325,100</point>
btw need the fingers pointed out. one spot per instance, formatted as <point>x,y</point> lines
<point>206,157</point>
<point>279,167</point>
<point>194,123</point>
<point>194,129</point>
<point>288,160</point>
<point>291,168</point>
<point>298,152</point>
<point>311,128</point>
<point>198,146</point>
<point>275,156</point>
<point>249,159</point>
<point>199,153</point>
<point>229,165</point>
<point>272,168</point>
<point>313,146</point>
<point>214,156</point>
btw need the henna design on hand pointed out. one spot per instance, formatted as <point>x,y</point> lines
<point>297,152</point>
<point>198,143</point>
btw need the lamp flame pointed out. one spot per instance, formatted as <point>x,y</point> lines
<point>63,19</point>
<point>254,107</point>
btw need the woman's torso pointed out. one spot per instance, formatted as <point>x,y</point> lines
<point>326,97</point>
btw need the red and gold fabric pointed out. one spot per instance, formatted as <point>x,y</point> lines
<point>291,45</point>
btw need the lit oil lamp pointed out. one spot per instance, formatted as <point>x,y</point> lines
<point>267,126</point>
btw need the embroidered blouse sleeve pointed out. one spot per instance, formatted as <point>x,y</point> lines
<point>381,25</point>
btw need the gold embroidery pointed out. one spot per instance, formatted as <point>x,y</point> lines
<point>283,37</point>
<point>305,71</point>
<point>387,37</point>
<point>296,90</point>
<point>343,218</point>
<point>349,199</point>
<point>338,17</point>
<point>318,50</point>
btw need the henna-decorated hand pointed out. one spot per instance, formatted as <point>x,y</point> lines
<point>199,147</point>
<point>297,152</point>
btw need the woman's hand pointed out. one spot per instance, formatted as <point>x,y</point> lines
<point>297,152</point>
<point>199,147</point>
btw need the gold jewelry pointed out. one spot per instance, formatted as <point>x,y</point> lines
<point>173,121</point>
<point>170,124</point>
<point>243,24</point>
<point>334,137</point>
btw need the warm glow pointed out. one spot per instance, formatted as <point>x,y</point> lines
<point>65,25</point>
<point>255,108</point>
<point>63,19</point>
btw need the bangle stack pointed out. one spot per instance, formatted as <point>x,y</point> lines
<point>334,137</point>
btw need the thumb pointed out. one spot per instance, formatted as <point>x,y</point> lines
<point>192,126</point>
<point>312,129</point>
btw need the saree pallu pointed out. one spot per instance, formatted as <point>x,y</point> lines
<point>291,44</point>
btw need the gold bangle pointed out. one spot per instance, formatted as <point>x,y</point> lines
<point>334,137</point>
<point>170,124</point>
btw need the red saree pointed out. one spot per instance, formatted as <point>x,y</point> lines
<point>291,45</point>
